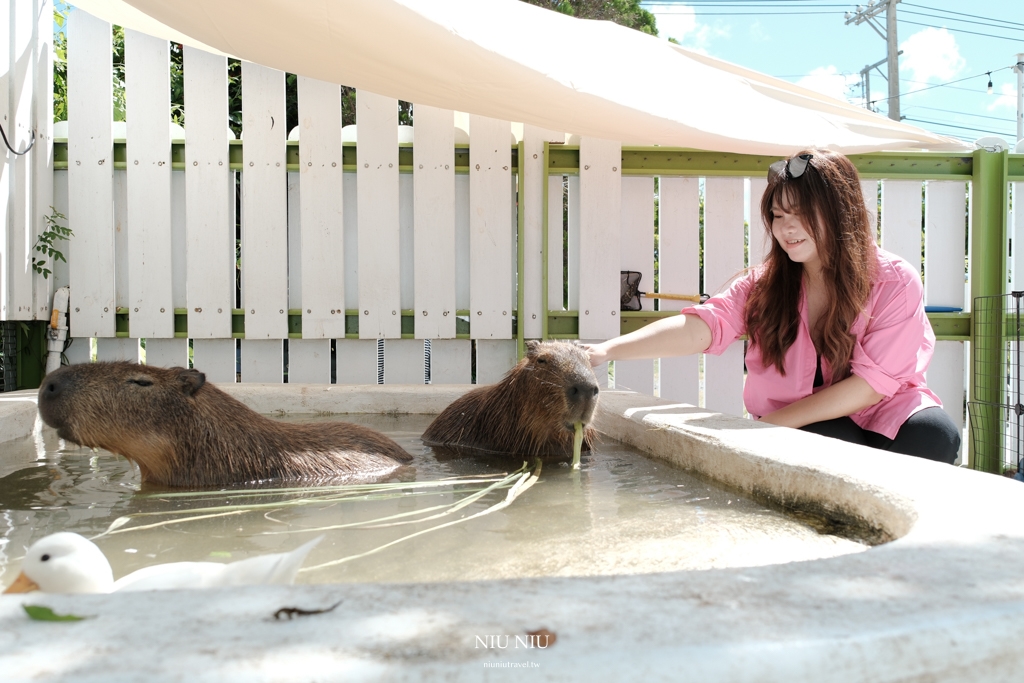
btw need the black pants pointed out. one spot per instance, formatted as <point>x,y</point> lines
<point>928,433</point>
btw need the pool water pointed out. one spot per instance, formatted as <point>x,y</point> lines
<point>621,513</point>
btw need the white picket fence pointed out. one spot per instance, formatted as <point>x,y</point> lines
<point>378,239</point>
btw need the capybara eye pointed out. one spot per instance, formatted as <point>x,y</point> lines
<point>542,360</point>
<point>44,558</point>
<point>142,382</point>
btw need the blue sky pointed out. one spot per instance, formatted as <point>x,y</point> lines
<point>808,42</point>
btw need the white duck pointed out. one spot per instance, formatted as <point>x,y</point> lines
<point>68,563</point>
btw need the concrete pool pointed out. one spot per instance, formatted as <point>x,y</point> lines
<point>943,599</point>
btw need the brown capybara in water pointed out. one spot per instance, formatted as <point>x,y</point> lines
<point>532,411</point>
<point>183,431</point>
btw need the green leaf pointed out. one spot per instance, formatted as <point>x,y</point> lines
<point>41,613</point>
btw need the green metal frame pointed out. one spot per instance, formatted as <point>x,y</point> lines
<point>988,172</point>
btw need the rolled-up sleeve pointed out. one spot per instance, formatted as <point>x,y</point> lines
<point>897,342</point>
<point>724,313</point>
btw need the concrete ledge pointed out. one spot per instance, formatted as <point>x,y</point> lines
<point>18,414</point>
<point>942,602</point>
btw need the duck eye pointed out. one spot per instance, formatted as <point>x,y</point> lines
<point>45,557</point>
<point>141,382</point>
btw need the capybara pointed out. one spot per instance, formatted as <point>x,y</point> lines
<point>183,431</point>
<point>532,411</point>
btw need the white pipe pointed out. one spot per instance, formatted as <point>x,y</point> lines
<point>57,333</point>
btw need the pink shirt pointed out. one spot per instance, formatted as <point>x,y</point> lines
<point>893,348</point>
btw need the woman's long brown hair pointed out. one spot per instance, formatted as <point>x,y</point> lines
<point>828,198</point>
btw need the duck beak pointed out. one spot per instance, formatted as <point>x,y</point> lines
<point>22,584</point>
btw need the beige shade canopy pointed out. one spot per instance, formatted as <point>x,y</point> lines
<point>510,60</point>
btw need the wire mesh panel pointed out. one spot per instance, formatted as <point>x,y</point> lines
<point>996,412</point>
<point>8,360</point>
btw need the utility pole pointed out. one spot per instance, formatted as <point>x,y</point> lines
<point>868,13</point>
<point>1019,68</point>
<point>865,80</point>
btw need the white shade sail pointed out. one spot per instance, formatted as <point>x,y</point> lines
<point>510,60</point>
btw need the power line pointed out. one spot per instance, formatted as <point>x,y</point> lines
<point>961,113</point>
<point>950,125</point>
<point>948,83</point>
<point>973,16</point>
<point>962,30</point>
<point>964,21</point>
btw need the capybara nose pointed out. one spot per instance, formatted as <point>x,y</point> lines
<point>582,391</point>
<point>52,387</point>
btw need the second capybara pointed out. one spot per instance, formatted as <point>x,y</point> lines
<point>532,411</point>
<point>183,431</point>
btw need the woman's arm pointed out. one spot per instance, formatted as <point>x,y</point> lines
<point>847,397</point>
<point>679,335</point>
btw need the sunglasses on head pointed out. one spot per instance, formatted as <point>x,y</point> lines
<point>792,168</point>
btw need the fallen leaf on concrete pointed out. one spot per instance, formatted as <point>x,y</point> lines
<point>290,612</point>
<point>542,637</point>
<point>41,613</point>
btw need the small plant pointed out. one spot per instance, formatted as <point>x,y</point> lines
<point>44,244</point>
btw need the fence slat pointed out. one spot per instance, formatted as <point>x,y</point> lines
<point>209,199</point>
<point>600,212</point>
<point>869,189</point>
<point>403,361</point>
<point>406,248</point>
<point>5,168</point>
<point>377,208</point>
<point>555,244</point>
<point>759,241</point>
<point>901,219</point>
<point>450,361</point>
<point>493,359</point>
<point>263,360</point>
<point>321,209</point>
<point>148,97</point>
<point>636,249</point>
<point>572,243</point>
<point>356,361</point>
<point>264,206</point>
<point>434,210</point>
<point>490,225</point>
<point>19,170</point>
<point>215,358</point>
<point>167,353</point>
<point>309,360</point>
<point>679,272</point>
<point>532,205</point>
<point>42,156</point>
<point>945,233</point>
<point>723,259</point>
<point>90,176</point>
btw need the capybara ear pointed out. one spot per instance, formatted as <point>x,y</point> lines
<point>532,348</point>
<point>191,380</point>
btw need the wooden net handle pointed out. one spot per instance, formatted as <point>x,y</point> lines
<point>679,297</point>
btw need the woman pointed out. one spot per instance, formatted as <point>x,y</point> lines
<point>839,340</point>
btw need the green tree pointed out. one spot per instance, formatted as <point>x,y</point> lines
<point>627,13</point>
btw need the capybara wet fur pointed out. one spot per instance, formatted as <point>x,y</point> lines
<point>183,431</point>
<point>532,411</point>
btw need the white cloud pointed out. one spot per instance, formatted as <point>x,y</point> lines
<point>1007,97</point>
<point>931,54</point>
<point>828,81</point>
<point>679,21</point>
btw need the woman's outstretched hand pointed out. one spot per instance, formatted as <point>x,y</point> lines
<point>597,354</point>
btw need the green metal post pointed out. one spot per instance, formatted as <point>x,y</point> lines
<point>544,246</point>
<point>988,278</point>
<point>520,256</point>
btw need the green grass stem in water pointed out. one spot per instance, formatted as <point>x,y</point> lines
<point>577,446</point>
